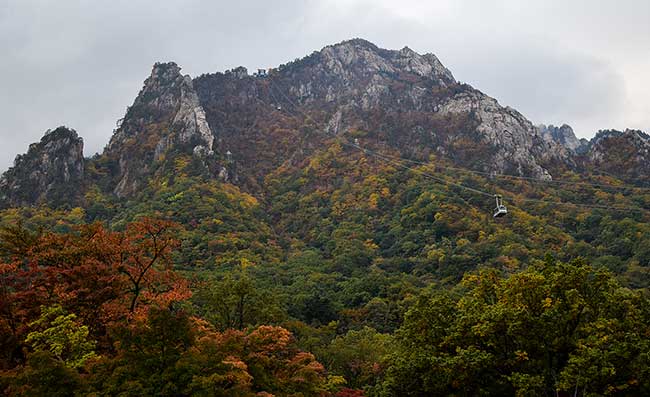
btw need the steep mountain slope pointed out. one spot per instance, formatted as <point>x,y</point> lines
<point>165,116</point>
<point>51,172</point>
<point>622,153</point>
<point>241,128</point>
<point>396,98</point>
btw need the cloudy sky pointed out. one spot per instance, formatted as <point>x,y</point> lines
<point>80,63</point>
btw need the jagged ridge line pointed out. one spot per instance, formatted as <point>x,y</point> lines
<point>442,181</point>
<point>560,182</point>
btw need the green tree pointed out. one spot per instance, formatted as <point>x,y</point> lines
<point>237,301</point>
<point>359,356</point>
<point>553,328</point>
<point>60,334</point>
<point>148,350</point>
<point>44,375</point>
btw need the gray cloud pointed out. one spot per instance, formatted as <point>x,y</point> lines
<point>80,63</point>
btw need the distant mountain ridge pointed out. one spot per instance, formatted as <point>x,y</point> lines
<point>239,127</point>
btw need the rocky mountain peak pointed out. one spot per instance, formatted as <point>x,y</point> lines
<point>165,115</point>
<point>408,99</point>
<point>358,80</point>
<point>362,57</point>
<point>637,136</point>
<point>160,90</point>
<point>562,135</point>
<point>622,153</point>
<point>51,171</point>
<point>240,127</point>
<point>163,74</point>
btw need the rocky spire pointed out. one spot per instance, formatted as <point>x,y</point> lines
<point>51,171</point>
<point>562,135</point>
<point>166,115</point>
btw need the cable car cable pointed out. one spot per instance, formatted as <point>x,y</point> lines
<point>477,191</point>
<point>527,178</point>
<point>506,176</point>
<point>512,198</point>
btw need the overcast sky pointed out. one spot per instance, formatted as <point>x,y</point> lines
<point>81,63</point>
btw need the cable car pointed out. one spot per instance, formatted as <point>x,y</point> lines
<point>501,209</point>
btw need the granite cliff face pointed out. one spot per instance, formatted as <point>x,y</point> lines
<point>420,83</point>
<point>358,73</point>
<point>564,136</point>
<point>401,98</point>
<point>52,172</point>
<point>514,142</point>
<point>165,116</point>
<point>238,127</point>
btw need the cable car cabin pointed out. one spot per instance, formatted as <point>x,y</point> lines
<point>500,209</point>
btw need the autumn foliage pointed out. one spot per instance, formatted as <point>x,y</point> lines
<point>95,309</point>
<point>103,276</point>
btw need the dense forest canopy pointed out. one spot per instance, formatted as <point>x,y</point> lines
<point>354,276</point>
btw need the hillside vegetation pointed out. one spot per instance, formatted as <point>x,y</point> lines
<point>256,236</point>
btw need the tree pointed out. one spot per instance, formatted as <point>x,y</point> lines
<point>278,367</point>
<point>553,328</point>
<point>359,356</point>
<point>42,376</point>
<point>101,276</point>
<point>236,301</point>
<point>60,334</point>
<point>148,349</point>
<point>145,259</point>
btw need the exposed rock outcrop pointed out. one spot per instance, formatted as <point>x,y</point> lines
<point>564,136</point>
<point>52,172</point>
<point>357,58</point>
<point>362,86</point>
<point>165,116</point>
<point>624,154</point>
<point>513,139</point>
<point>240,128</point>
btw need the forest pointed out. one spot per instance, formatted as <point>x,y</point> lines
<point>342,276</point>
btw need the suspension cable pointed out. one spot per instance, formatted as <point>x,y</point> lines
<point>398,162</point>
<point>527,178</point>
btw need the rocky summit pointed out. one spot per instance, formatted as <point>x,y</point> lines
<point>239,127</point>
<point>166,114</point>
<point>52,172</point>
<point>564,136</point>
<point>624,153</point>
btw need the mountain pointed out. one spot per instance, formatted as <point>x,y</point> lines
<point>623,153</point>
<point>399,98</point>
<point>337,209</point>
<point>51,172</point>
<point>165,115</point>
<point>240,128</point>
